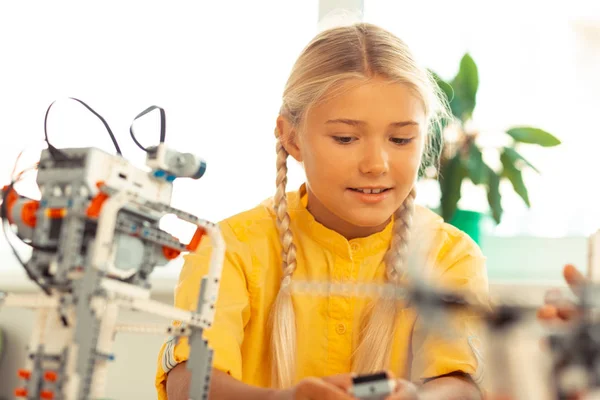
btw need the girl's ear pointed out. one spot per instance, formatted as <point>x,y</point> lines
<point>288,136</point>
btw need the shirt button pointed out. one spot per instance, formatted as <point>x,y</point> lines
<point>340,328</point>
<point>355,246</point>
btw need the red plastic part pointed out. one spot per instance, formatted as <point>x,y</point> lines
<point>170,253</point>
<point>50,376</point>
<point>196,239</point>
<point>23,374</point>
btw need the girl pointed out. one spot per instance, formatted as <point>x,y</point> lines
<point>356,113</point>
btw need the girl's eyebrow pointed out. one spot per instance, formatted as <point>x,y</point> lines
<point>354,122</point>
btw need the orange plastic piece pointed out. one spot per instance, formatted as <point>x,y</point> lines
<point>46,394</point>
<point>28,213</point>
<point>28,210</point>
<point>93,210</point>
<point>56,213</point>
<point>50,376</point>
<point>195,242</point>
<point>11,199</point>
<point>170,253</point>
<point>20,392</point>
<point>24,374</point>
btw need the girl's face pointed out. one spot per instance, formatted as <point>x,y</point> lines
<point>361,152</point>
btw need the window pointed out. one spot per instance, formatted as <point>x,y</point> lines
<point>538,66</point>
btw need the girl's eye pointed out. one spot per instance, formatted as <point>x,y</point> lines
<point>402,141</point>
<point>343,139</point>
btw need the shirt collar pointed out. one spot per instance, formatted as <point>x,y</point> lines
<point>358,247</point>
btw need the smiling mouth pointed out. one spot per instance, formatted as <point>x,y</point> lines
<point>370,191</point>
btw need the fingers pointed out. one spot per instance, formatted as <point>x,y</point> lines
<point>563,312</point>
<point>574,278</point>
<point>319,389</point>
<point>342,381</point>
<point>568,312</point>
<point>405,390</point>
<point>547,312</point>
<point>557,307</point>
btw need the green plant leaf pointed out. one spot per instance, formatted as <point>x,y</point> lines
<point>515,177</point>
<point>444,86</point>
<point>526,134</point>
<point>493,194</point>
<point>516,158</point>
<point>465,85</point>
<point>452,173</point>
<point>475,166</point>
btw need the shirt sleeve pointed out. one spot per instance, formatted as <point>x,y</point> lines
<point>450,341</point>
<point>232,311</point>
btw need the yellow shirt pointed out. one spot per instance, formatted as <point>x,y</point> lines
<point>326,325</point>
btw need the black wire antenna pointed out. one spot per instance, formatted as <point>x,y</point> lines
<point>163,125</point>
<point>56,153</point>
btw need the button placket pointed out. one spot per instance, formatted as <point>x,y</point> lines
<point>339,323</point>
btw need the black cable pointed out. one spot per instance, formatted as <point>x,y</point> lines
<point>163,123</point>
<point>56,154</point>
<point>59,154</point>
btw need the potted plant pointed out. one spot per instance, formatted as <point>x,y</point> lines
<point>461,155</point>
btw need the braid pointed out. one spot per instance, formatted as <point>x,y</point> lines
<point>282,319</point>
<point>378,330</point>
<point>283,218</point>
<point>396,255</point>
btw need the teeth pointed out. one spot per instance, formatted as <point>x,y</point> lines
<point>370,191</point>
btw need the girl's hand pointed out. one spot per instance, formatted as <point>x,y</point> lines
<point>328,388</point>
<point>556,307</point>
<point>337,387</point>
<point>405,390</point>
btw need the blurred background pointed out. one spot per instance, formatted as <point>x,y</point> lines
<point>218,69</point>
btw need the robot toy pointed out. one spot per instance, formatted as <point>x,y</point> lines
<point>95,240</point>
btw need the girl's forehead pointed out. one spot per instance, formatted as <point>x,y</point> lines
<point>376,100</point>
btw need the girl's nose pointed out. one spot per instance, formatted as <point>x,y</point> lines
<point>374,161</point>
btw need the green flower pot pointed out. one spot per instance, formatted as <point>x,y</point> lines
<point>469,222</point>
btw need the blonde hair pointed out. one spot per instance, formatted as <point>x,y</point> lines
<point>335,55</point>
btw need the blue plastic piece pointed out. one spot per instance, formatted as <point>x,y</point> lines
<point>171,178</point>
<point>159,173</point>
<point>109,357</point>
<point>201,170</point>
